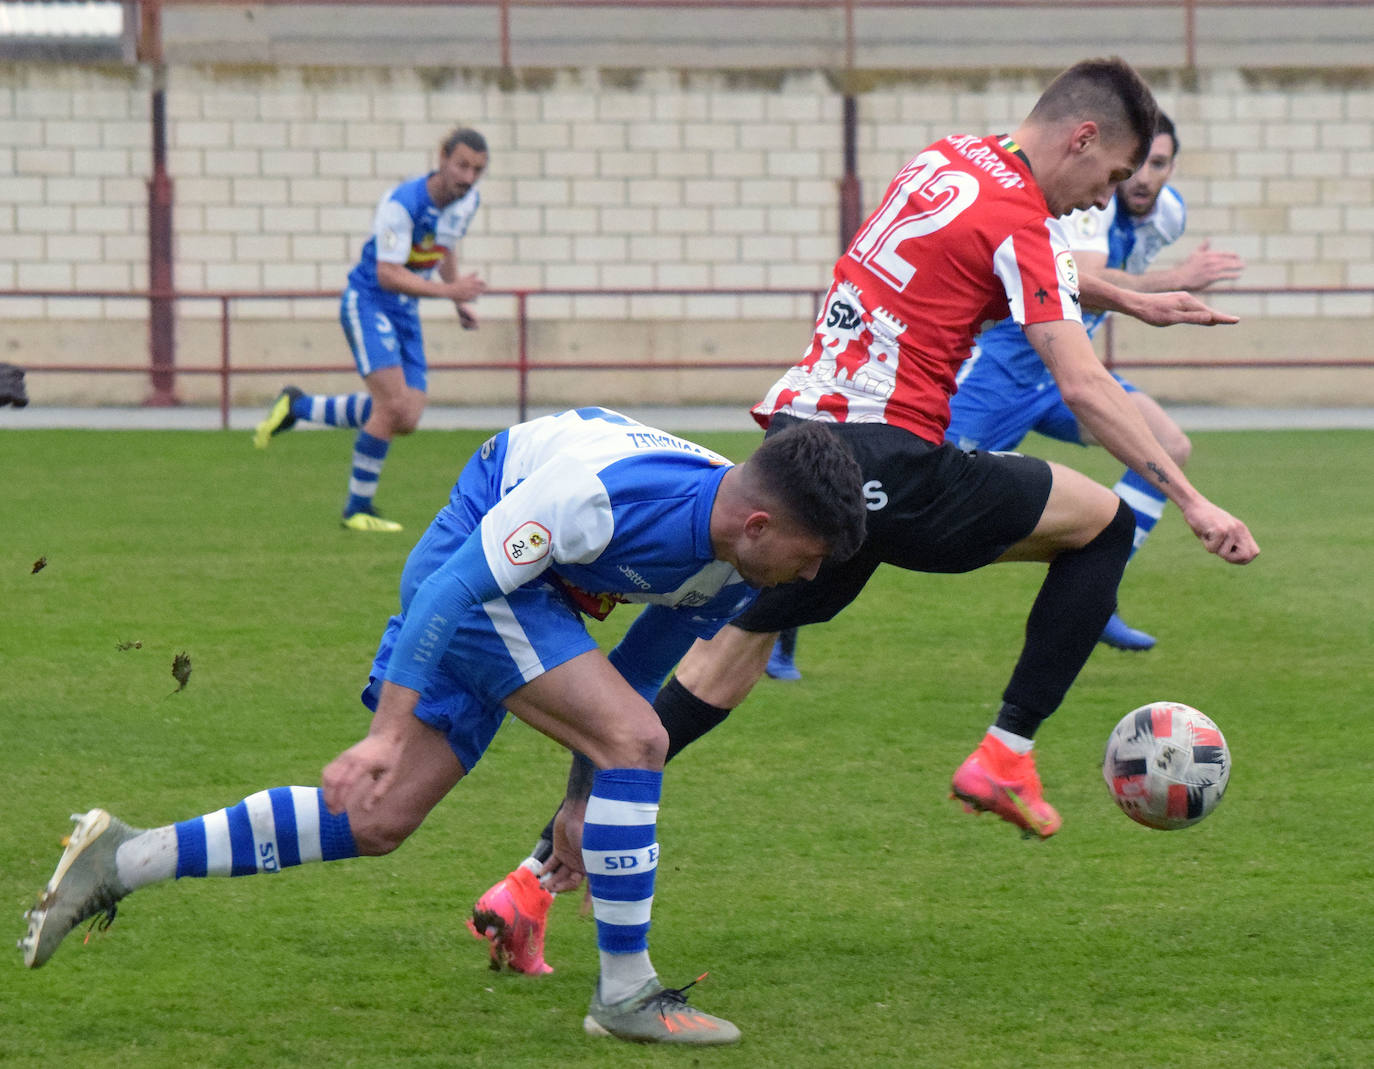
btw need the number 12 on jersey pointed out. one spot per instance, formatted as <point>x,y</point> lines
<point>923,199</point>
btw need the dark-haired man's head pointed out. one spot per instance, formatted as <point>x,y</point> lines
<point>1090,130</point>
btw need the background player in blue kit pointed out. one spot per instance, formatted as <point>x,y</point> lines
<point>414,232</point>
<point>1005,390</point>
<point>562,515</point>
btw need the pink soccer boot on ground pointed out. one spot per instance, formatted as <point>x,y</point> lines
<point>511,917</point>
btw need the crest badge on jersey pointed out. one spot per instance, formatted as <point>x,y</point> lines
<point>1086,223</point>
<point>528,543</point>
<point>1068,270</point>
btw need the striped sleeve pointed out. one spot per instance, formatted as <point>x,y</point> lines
<point>1037,271</point>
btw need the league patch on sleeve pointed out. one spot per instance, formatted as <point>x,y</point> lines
<point>528,543</point>
<point>1068,270</point>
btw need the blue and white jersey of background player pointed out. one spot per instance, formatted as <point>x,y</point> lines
<point>1004,389</point>
<point>383,327</point>
<point>564,514</point>
<point>408,229</point>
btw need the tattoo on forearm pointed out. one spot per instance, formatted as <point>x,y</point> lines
<point>1158,473</point>
<point>580,777</point>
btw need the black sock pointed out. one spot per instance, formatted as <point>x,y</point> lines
<point>685,716</point>
<point>1075,601</point>
<point>1018,721</point>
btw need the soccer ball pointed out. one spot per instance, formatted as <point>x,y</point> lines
<point>1166,765</point>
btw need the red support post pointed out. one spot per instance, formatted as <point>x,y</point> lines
<point>161,301</point>
<point>851,203</point>
<point>1190,34</point>
<point>522,355</point>
<point>224,363</point>
<point>505,34</point>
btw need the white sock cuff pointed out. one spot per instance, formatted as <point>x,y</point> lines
<point>1014,743</point>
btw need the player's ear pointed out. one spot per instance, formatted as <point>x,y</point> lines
<point>757,522</point>
<point>1084,136</point>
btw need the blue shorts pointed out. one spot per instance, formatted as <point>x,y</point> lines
<point>993,413</point>
<point>498,647</point>
<point>383,333</point>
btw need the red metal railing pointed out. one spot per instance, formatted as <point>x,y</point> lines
<point>150,44</point>
<point>150,51</point>
<point>523,364</point>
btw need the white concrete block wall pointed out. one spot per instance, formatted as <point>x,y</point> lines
<point>653,179</point>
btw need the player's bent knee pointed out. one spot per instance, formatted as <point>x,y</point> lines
<point>376,836</point>
<point>400,420</point>
<point>1121,529</point>
<point>643,745</point>
<point>407,417</point>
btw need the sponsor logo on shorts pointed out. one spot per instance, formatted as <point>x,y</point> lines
<point>528,543</point>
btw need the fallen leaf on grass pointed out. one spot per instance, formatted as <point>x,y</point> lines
<point>181,670</point>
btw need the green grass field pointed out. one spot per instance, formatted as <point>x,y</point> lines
<point>848,912</point>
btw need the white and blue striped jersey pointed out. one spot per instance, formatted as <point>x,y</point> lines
<point>408,229</point>
<point>588,499</point>
<point>1130,244</point>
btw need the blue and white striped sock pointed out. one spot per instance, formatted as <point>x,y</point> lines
<point>369,454</point>
<point>1145,500</point>
<point>620,854</point>
<point>266,832</point>
<point>343,410</point>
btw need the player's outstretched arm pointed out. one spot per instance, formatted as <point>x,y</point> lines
<point>1221,533</point>
<point>1105,410</point>
<point>399,279</point>
<point>1158,309</point>
<point>1201,268</point>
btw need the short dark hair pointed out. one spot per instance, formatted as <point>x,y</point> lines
<point>814,477</point>
<point>1107,91</point>
<point>463,135</point>
<point>1165,125</point>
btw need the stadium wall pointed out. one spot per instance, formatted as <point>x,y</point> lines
<point>622,179</point>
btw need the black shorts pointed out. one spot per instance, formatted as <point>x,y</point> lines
<point>932,508</point>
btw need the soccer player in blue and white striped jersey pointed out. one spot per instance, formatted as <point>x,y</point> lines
<point>561,516</point>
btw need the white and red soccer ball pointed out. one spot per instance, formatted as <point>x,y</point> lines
<point>1166,765</point>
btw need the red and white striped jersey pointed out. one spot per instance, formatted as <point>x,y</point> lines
<point>962,238</point>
